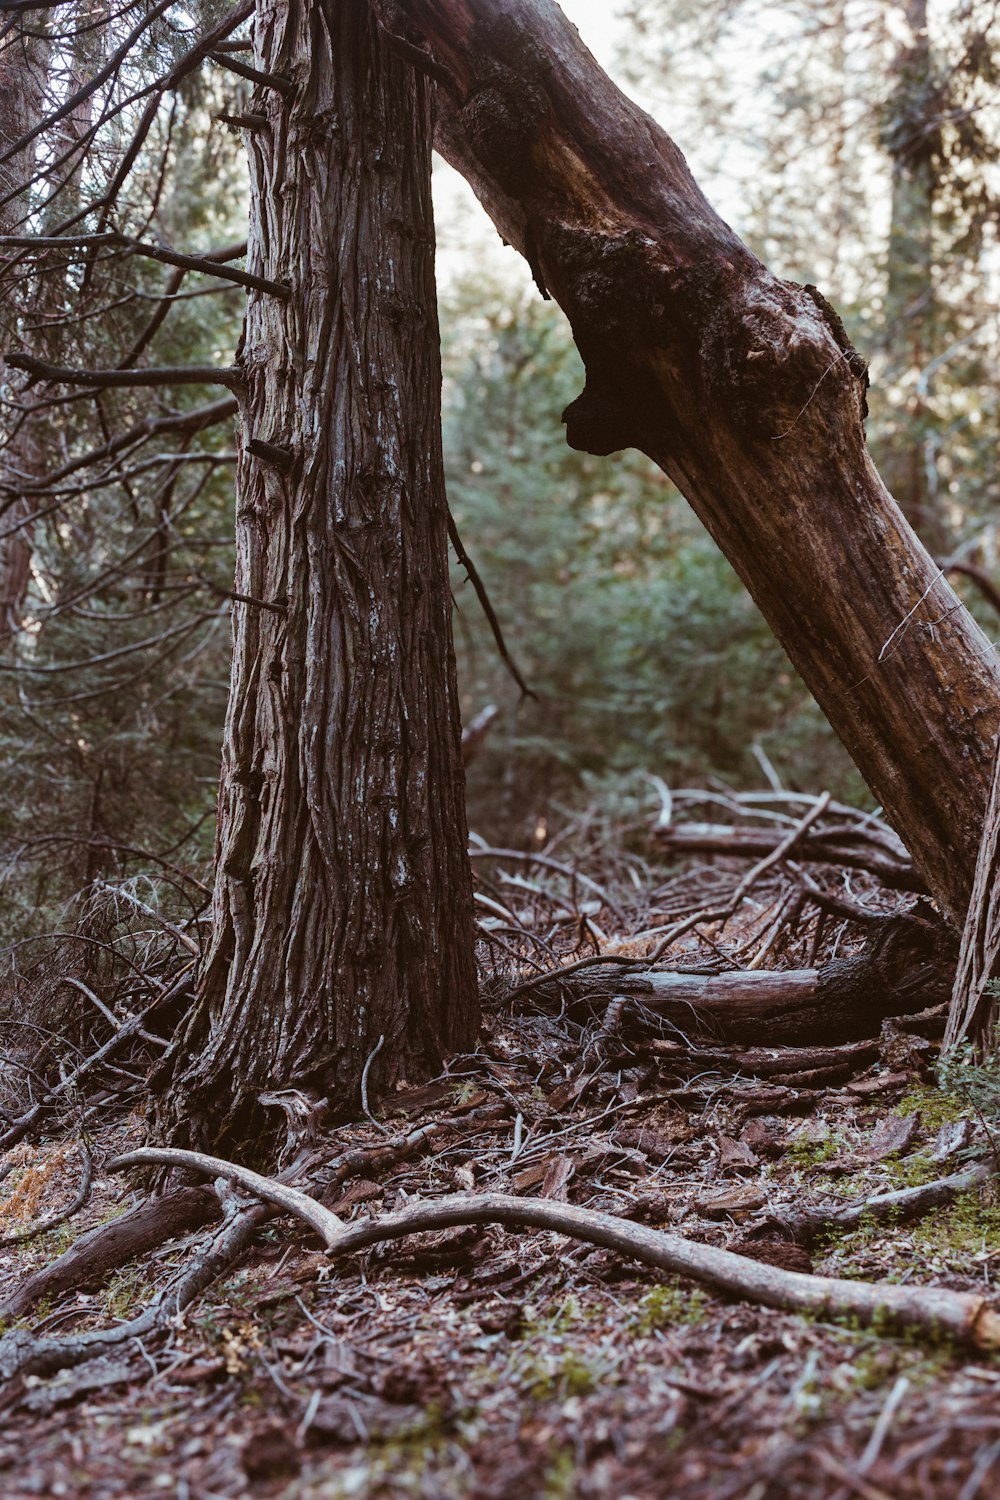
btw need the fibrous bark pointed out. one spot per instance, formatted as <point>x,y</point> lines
<point>342,917</point>
<point>745,389</point>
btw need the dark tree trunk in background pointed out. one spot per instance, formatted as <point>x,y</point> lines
<point>23,66</point>
<point>343,903</point>
<point>744,389</point>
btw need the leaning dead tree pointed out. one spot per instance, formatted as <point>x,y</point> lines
<point>746,391</point>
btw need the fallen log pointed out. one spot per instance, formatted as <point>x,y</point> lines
<point>812,848</point>
<point>931,1312</point>
<point>108,1246</point>
<point>907,966</point>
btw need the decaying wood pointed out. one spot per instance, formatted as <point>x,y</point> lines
<point>904,969</point>
<point>816,848</point>
<point>108,1246</point>
<point>744,388</point>
<point>930,1311</point>
<point>22,1353</point>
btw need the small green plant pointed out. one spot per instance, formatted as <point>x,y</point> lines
<point>974,1080</point>
<point>125,1292</point>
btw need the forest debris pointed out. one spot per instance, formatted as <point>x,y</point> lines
<point>904,968</point>
<point>953,1136</point>
<point>892,1137</point>
<point>734,1198</point>
<point>108,1246</point>
<point>766,1137</point>
<point>69,1384</point>
<point>269,1453</point>
<point>895,1207</point>
<point>973,1010</point>
<point>848,849</point>
<point>558,1174</point>
<point>882,1083</point>
<point>930,1311</point>
<point>733,1153</point>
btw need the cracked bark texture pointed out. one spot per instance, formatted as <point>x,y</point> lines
<point>744,389</point>
<point>343,903</point>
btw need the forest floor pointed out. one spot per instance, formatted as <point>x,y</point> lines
<point>490,1363</point>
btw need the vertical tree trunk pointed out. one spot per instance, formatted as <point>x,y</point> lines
<point>912,137</point>
<point>744,389</point>
<point>342,917</point>
<point>23,66</point>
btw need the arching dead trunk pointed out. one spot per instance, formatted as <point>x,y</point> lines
<point>744,388</point>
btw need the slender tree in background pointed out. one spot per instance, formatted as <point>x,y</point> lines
<point>23,67</point>
<point>342,919</point>
<point>861,153</point>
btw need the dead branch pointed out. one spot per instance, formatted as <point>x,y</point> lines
<point>930,1311</point>
<point>897,1207</point>
<point>108,1246</point>
<point>475,732</point>
<point>20,1127</point>
<point>37,369</point>
<point>904,969</point>
<point>973,1009</point>
<point>21,1353</point>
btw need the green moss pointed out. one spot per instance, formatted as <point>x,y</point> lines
<point>667,1305</point>
<point>935,1106</point>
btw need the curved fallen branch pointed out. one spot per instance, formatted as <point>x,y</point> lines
<point>931,1311</point>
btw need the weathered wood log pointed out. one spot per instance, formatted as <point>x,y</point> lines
<point>746,391</point>
<point>903,969</point>
<point>811,848</point>
<point>108,1246</point>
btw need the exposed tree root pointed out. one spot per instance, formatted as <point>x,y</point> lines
<point>929,1311</point>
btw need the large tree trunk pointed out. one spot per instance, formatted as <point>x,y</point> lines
<point>744,389</point>
<point>342,919</point>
